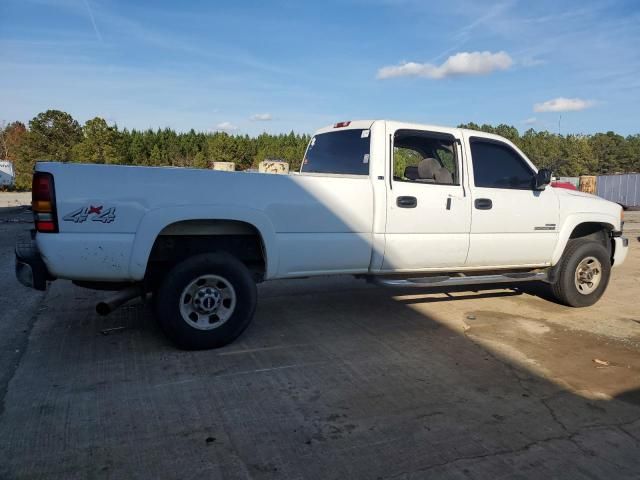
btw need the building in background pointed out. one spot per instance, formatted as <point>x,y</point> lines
<point>224,166</point>
<point>7,174</point>
<point>623,189</point>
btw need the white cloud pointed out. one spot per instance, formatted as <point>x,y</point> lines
<point>530,121</point>
<point>463,63</point>
<point>261,117</point>
<point>226,126</point>
<point>562,104</point>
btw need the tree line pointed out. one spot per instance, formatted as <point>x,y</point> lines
<point>56,135</point>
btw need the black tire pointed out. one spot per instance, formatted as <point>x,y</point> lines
<point>565,289</point>
<point>170,299</point>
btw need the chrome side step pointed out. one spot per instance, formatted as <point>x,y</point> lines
<point>449,281</point>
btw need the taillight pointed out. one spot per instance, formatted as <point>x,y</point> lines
<point>43,203</point>
<point>342,124</point>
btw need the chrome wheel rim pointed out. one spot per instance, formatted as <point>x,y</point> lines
<point>207,302</point>
<point>588,275</point>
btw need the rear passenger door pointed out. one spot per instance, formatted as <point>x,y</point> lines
<point>428,210</point>
<point>512,224</point>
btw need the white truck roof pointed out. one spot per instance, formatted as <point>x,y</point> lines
<point>363,124</point>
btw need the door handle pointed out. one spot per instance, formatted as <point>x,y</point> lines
<point>483,203</point>
<point>407,202</point>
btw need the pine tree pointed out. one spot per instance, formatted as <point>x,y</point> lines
<point>99,145</point>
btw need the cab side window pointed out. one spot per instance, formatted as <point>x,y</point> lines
<point>497,165</point>
<point>425,157</point>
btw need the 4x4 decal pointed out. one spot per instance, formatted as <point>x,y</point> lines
<point>97,215</point>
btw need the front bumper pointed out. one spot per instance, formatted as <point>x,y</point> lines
<point>31,270</point>
<point>620,250</point>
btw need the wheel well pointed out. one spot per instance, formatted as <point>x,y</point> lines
<point>598,232</point>
<point>181,240</point>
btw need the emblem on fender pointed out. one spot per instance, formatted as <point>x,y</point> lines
<point>96,213</point>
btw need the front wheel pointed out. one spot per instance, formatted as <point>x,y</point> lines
<point>206,301</point>
<point>584,273</point>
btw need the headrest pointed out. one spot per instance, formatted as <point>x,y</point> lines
<point>427,168</point>
<point>411,172</point>
<point>444,176</point>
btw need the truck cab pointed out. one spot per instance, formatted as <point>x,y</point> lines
<point>448,198</point>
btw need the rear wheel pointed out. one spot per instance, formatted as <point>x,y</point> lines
<point>584,273</point>
<point>206,301</point>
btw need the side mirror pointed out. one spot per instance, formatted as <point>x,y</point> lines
<point>542,178</point>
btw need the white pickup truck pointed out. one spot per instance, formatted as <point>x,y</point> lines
<point>399,204</point>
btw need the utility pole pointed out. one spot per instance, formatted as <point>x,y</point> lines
<point>559,121</point>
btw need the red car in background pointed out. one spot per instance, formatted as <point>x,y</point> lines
<point>567,185</point>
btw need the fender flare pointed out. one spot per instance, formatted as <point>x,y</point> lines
<point>571,222</point>
<point>154,221</point>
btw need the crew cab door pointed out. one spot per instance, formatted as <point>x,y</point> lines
<point>512,223</point>
<point>428,210</point>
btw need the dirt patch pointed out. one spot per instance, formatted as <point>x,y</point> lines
<point>588,364</point>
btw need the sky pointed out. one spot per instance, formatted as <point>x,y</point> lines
<point>279,65</point>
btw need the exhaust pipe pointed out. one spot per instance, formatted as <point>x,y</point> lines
<point>117,299</point>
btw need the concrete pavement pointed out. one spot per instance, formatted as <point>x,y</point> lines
<point>14,199</point>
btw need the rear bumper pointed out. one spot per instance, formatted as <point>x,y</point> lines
<point>31,270</point>
<point>620,250</point>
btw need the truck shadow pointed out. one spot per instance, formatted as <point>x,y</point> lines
<point>333,376</point>
<point>630,396</point>
<point>537,289</point>
<point>17,210</point>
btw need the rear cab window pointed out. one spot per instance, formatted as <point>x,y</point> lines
<point>341,152</point>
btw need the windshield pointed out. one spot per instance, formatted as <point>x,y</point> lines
<point>345,152</point>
